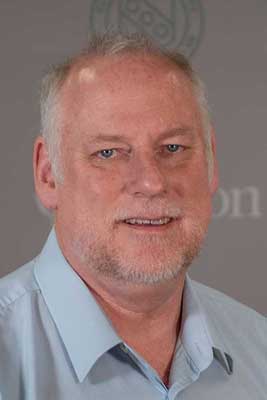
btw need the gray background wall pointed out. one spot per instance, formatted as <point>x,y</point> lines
<point>229,46</point>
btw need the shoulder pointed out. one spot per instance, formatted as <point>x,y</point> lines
<point>16,286</point>
<point>214,299</point>
<point>229,318</point>
<point>19,299</point>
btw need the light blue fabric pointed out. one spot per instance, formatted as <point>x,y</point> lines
<point>56,343</point>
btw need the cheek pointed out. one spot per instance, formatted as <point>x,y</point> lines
<point>192,189</point>
<point>191,179</point>
<point>98,185</point>
<point>94,191</point>
<point>199,204</point>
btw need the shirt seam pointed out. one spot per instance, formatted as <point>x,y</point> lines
<point>5,308</point>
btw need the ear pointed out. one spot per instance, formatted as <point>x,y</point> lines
<point>214,180</point>
<point>45,184</point>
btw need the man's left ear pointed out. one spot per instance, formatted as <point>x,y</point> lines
<point>214,179</point>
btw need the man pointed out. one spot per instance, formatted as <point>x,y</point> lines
<point>127,165</point>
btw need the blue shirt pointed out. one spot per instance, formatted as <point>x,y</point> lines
<point>56,343</point>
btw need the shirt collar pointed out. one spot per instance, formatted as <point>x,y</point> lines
<point>85,330</point>
<point>201,342</point>
<point>87,333</point>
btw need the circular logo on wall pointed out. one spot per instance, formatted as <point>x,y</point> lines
<point>173,24</point>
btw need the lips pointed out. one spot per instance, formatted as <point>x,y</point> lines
<point>148,222</point>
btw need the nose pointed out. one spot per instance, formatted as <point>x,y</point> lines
<point>146,177</point>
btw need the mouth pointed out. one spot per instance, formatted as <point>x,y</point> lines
<point>150,225</point>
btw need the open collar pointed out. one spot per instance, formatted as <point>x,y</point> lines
<point>86,331</point>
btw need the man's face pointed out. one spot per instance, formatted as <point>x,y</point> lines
<point>133,151</point>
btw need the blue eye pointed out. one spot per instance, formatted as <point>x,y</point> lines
<point>173,147</point>
<point>106,153</point>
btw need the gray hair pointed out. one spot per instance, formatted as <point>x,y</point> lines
<point>108,45</point>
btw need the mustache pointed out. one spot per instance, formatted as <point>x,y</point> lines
<point>149,212</point>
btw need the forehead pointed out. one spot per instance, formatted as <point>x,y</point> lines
<point>127,88</point>
<point>121,70</point>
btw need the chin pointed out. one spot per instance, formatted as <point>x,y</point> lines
<point>150,276</point>
<point>152,269</point>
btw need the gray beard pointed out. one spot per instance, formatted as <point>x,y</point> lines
<point>99,260</point>
<point>108,267</point>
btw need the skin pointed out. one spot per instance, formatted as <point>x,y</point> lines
<point>137,275</point>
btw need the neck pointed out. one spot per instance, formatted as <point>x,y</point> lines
<point>146,317</point>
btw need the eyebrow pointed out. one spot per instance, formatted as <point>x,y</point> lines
<point>182,131</point>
